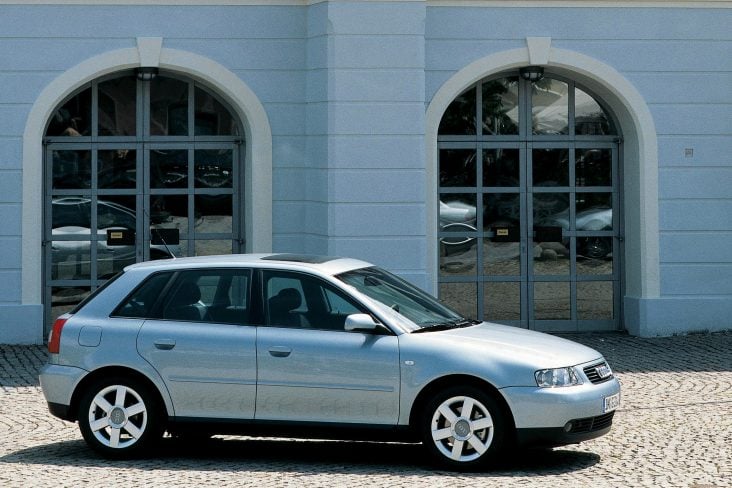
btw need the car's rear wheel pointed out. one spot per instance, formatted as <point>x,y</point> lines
<point>118,417</point>
<point>463,428</point>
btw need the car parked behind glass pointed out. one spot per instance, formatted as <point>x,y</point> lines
<point>309,346</point>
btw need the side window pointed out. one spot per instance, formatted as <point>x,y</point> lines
<point>141,302</point>
<point>301,301</point>
<point>216,296</point>
<point>284,299</point>
<point>338,305</point>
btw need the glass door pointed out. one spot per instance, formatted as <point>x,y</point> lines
<point>529,207</point>
<point>136,170</point>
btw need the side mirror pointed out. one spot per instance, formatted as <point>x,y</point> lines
<point>361,322</point>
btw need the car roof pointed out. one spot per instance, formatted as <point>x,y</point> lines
<point>329,265</point>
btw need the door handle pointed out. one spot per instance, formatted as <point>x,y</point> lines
<point>280,351</point>
<point>164,344</point>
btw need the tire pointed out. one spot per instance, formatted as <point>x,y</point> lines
<point>596,247</point>
<point>463,442</point>
<point>119,417</point>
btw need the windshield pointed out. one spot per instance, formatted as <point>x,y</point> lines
<point>398,296</point>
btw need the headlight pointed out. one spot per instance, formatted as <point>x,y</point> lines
<point>551,378</point>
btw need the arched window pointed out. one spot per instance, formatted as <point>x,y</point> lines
<point>137,166</point>
<point>529,217</point>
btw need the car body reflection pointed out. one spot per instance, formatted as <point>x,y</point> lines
<point>457,216</point>
<point>71,239</point>
<point>591,219</point>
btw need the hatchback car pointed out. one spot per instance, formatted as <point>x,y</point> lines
<point>308,346</point>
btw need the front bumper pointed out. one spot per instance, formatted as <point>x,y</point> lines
<point>580,430</point>
<point>542,415</point>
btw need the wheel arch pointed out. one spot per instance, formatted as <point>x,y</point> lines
<point>121,371</point>
<point>429,390</point>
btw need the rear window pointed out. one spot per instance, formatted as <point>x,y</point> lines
<point>208,295</point>
<point>141,302</point>
<point>95,293</point>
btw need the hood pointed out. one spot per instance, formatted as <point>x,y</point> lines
<point>534,349</point>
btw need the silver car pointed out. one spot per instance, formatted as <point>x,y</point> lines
<point>308,346</point>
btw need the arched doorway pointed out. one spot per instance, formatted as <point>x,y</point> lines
<point>530,208</point>
<point>138,165</point>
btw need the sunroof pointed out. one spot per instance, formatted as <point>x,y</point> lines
<point>300,258</point>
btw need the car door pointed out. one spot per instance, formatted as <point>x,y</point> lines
<point>310,369</point>
<point>201,345</point>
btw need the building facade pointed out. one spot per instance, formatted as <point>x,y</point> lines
<point>556,165</point>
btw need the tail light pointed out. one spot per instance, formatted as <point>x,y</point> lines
<point>54,339</point>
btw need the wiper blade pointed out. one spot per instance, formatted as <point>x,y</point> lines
<point>455,324</point>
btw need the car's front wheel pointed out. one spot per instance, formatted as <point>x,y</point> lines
<point>118,417</point>
<point>463,428</point>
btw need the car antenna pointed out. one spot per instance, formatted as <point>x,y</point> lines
<point>160,235</point>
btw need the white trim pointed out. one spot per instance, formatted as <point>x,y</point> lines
<point>258,186</point>
<point>538,50</point>
<point>640,154</point>
<point>149,49</point>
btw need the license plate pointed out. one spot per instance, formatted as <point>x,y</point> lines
<point>611,403</point>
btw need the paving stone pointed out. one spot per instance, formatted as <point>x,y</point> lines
<point>674,428</point>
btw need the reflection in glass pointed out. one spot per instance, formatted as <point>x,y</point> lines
<point>458,256</point>
<point>550,107</point>
<point>213,213</point>
<point>551,301</point>
<point>117,107</point>
<point>501,210</point>
<point>169,212</point>
<point>461,297</point>
<point>70,260</point>
<point>595,247</point>
<point>551,259</point>
<point>65,298</point>
<point>71,169</point>
<point>501,258</point>
<point>112,259</point>
<point>501,301</point>
<point>168,168</point>
<point>458,212</point>
<point>213,168</point>
<point>594,211</point>
<point>73,119</point>
<point>551,210</point>
<point>116,212</point>
<point>590,118</point>
<point>212,118</point>
<point>500,106</point>
<point>212,247</point>
<point>501,167</point>
<point>593,167</point>
<point>550,167</point>
<point>594,256</point>
<point>460,116</point>
<point>117,168</point>
<point>595,300</point>
<point>168,107</point>
<point>457,167</point>
<point>70,216</point>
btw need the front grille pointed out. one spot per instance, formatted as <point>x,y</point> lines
<point>592,424</point>
<point>594,376</point>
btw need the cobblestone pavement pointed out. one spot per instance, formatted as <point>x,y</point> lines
<point>674,428</point>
